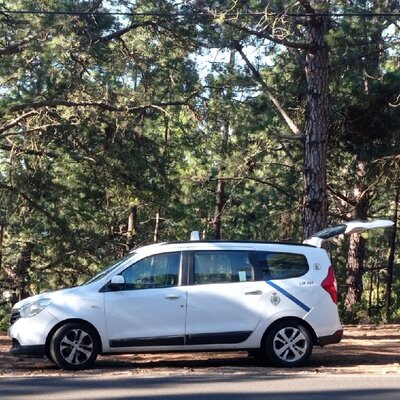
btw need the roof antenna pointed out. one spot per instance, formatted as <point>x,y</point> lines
<point>195,235</point>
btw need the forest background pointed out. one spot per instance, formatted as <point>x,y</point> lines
<point>124,123</point>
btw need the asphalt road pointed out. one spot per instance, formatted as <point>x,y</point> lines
<point>204,386</point>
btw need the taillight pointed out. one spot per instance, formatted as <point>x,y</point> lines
<point>330,285</point>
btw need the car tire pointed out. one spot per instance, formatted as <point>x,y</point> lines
<point>74,346</point>
<point>48,355</point>
<point>288,344</point>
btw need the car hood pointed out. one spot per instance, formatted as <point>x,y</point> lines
<point>47,295</point>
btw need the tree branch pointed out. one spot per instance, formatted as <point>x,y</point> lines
<point>341,196</point>
<point>265,35</point>
<point>99,104</point>
<point>37,128</point>
<point>16,121</point>
<point>17,47</point>
<point>307,6</point>
<point>66,103</point>
<point>95,6</point>
<point>118,34</point>
<point>7,147</point>
<point>264,182</point>
<point>257,76</point>
<point>35,205</point>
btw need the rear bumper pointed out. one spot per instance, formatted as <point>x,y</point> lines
<point>331,339</point>
<point>36,351</point>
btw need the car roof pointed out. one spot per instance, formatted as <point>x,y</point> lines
<point>218,244</point>
<point>234,241</point>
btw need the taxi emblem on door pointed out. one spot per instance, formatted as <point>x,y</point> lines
<point>275,299</point>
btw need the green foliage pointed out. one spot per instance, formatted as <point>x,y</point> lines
<point>5,311</point>
<point>100,113</point>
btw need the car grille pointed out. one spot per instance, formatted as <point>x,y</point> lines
<point>15,316</point>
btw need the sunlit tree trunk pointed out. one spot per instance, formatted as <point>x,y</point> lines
<point>132,222</point>
<point>156,227</point>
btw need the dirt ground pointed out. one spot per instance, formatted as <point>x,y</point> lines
<point>365,349</point>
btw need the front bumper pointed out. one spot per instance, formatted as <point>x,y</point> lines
<point>29,335</point>
<point>36,351</point>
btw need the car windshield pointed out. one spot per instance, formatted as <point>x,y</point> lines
<point>109,268</point>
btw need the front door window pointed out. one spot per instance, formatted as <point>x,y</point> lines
<point>158,271</point>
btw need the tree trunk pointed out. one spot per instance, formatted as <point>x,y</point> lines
<point>219,205</point>
<point>1,243</point>
<point>355,257</point>
<point>22,271</point>
<point>389,278</point>
<point>316,128</point>
<point>132,222</point>
<point>354,271</point>
<point>220,187</point>
<point>355,260</point>
<point>156,227</point>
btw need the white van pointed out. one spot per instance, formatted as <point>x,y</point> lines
<point>273,299</point>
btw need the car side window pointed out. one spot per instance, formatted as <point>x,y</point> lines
<point>222,267</point>
<point>276,265</point>
<point>156,271</point>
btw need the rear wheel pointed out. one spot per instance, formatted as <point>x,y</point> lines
<point>288,344</point>
<point>74,346</point>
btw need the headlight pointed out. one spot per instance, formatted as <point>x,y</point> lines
<point>31,309</point>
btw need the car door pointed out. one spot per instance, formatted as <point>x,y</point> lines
<point>149,308</point>
<point>224,303</point>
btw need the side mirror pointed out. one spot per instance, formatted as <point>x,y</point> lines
<point>117,282</point>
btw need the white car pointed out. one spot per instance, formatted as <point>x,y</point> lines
<point>273,299</point>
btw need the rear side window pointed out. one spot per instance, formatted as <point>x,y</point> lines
<point>282,265</point>
<point>222,267</point>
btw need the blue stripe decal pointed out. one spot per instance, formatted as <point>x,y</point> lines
<point>289,296</point>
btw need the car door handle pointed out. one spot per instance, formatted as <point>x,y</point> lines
<point>254,293</point>
<point>172,296</point>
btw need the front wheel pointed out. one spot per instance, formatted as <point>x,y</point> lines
<point>74,346</point>
<point>288,344</point>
